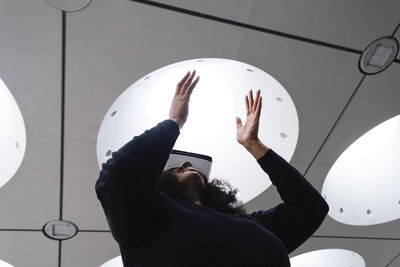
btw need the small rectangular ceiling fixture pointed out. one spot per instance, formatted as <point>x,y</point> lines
<point>380,56</point>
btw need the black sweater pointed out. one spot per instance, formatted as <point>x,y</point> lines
<point>153,229</point>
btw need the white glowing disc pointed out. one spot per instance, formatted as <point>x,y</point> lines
<point>115,262</point>
<point>328,258</point>
<point>211,126</point>
<point>3,263</point>
<point>12,135</point>
<point>362,187</point>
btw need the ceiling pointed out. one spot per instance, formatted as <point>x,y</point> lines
<point>65,69</point>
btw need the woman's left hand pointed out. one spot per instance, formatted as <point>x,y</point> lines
<point>248,134</point>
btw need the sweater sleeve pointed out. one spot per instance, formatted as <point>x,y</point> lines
<point>126,184</point>
<point>303,208</point>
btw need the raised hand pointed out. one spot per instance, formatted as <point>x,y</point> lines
<point>180,103</point>
<point>249,132</point>
<point>247,135</point>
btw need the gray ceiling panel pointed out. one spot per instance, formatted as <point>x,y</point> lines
<point>28,249</point>
<point>230,9</point>
<point>353,24</point>
<point>376,101</point>
<point>344,23</point>
<point>374,252</point>
<point>30,65</point>
<point>81,205</point>
<point>31,197</point>
<point>30,62</point>
<point>88,249</point>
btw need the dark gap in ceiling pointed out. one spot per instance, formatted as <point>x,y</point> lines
<point>59,247</point>
<point>394,32</point>
<point>63,43</point>
<point>246,26</point>
<point>393,35</point>
<point>22,230</point>
<point>95,231</point>
<point>62,111</point>
<point>390,262</point>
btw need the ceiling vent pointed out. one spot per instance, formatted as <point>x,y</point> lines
<point>379,55</point>
<point>60,230</point>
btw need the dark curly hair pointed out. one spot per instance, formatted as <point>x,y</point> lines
<point>218,194</point>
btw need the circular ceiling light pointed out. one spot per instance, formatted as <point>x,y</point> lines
<point>362,186</point>
<point>379,55</point>
<point>328,258</point>
<point>5,264</point>
<point>211,126</point>
<point>69,5</point>
<point>12,135</point>
<point>115,262</point>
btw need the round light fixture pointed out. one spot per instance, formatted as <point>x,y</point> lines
<point>379,55</point>
<point>362,186</point>
<point>5,264</point>
<point>211,126</point>
<point>70,5</point>
<point>12,135</point>
<point>328,258</point>
<point>115,262</point>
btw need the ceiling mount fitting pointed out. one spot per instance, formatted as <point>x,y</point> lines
<point>60,230</point>
<point>379,55</point>
<point>69,5</point>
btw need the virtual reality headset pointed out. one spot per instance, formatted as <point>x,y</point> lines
<point>200,163</point>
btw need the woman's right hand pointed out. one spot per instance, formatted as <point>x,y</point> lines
<point>247,134</point>
<point>180,103</point>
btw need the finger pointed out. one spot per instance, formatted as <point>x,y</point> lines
<point>246,100</point>
<point>251,101</point>
<point>256,101</point>
<point>179,85</point>
<point>238,123</point>
<point>188,82</point>
<point>193,85</point>
<point>259,105</point>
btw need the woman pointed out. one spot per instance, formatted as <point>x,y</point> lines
<point>193,222</point>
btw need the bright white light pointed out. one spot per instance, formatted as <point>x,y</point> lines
<point>362,187</point>
<point>3,263</point>
<point>211,126</point>
<point>12,135</point>
<point>328,258</point>
<point>115,262</point>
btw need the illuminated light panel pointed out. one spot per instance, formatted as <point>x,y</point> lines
<point>12,135</point>
<point>328,258</point>
<point>362,187</point>
<point>115,262</point>
<point>211,126</point>
<point>5,264</point>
